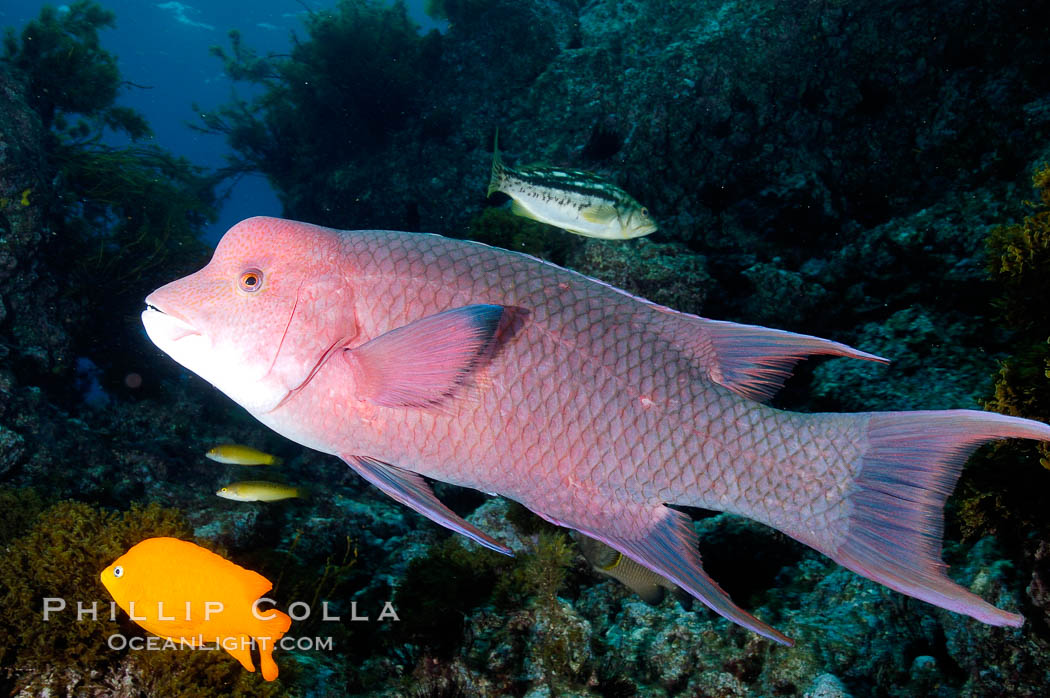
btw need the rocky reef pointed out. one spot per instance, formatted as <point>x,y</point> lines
<point>871,172</point>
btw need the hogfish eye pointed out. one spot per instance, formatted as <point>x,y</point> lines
<point>118,572</point>
<point>251,280</point>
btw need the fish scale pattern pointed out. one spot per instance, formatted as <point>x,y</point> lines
<point>592,405</point>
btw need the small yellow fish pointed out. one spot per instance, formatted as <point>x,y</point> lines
<point>185,593</point>
<point>236,454</point>
<point>574,200</point>
<point>609,562</point>
<point>259,491</point>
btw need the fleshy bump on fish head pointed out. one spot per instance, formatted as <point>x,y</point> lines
<point>233,322</point>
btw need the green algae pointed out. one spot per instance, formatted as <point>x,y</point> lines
<point>150,207</point>
<point>440,589</point>
<point>454,10</point>
<point>1020,263</point>
<point>119,220</point>
<point>364,67</point>
<point>1001,491</point>
<point>64,63</point>
<point>558,639</point>
<point>19,509</point>
<point>545,569</point>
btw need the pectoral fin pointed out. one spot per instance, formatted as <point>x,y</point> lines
<point>423,362</point>
<point>664,541</point>
<point>413,491</point>
<point>599,213</point>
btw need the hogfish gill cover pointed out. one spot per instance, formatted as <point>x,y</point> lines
<point>410,355</point>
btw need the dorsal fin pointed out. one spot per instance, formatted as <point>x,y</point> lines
<point>754,361</point>
<point>498,168</point>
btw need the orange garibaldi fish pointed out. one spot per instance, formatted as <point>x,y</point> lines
<point>411,355</point>
<point>187,594</point>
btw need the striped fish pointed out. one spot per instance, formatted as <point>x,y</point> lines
<point>574,200</point>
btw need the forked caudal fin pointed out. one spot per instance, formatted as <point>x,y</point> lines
<point>904,477</point>
<point>909,464</point>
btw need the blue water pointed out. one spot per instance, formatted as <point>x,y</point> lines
<point>162,49</point>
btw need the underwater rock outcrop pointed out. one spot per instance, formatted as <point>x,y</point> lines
<point>821,167</point>
<point>28,286</point>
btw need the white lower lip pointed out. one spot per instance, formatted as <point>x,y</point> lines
<point>165,329</point>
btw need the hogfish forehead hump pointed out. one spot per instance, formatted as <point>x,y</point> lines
<point>256,320</point>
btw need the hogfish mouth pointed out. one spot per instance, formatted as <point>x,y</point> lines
<point>175,336</point>
<point>165,328</point>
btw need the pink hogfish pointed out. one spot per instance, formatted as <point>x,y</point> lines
<point>410,355</point>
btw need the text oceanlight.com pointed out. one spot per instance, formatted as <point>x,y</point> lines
<point>118,641</point>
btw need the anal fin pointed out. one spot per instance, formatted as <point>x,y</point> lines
<point>519,210</point>
<point>664,541</point>
<point>267,665</point>
<point>241,650</point>
<point>413,491</point>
